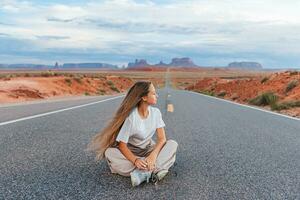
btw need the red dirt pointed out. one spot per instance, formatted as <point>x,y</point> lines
<point>19,89</point>
<point>242,90</point>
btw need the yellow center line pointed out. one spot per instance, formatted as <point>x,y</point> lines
<point>170,108</point>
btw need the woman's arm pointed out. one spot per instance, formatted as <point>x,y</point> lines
<point>139,163</point>
<point>126,152</point>
<point>161,140</point>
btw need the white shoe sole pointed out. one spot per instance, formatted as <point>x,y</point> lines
<point>135,181</point>
<point>161,174</point>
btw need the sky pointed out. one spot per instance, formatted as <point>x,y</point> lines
<point>210,32</point>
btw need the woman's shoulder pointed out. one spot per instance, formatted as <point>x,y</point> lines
<point>132,113</point>
<point>155,110</point>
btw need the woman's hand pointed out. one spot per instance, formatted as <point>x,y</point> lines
<point>141,164</point>
<point>151,161</point>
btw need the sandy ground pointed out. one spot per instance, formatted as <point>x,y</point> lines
<point>241,90</point>
<point>20,86</point>
<point>19,89</point>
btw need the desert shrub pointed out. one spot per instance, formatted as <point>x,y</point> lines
<point>26,75</point>
<point>70,75</point>
<point>286,105</point>
<point>267,98</point>
<point>86,93</point>
<point>291,85</point>
<point>8,76</point>
<point>46,74</point>
<point>93,76</point>
<point>110,83</point>
<point>222,93</point>
<point>294,73</point>
<point>264,79</point>
<point>114,89</point>
<point>206,92</point>
<point>96,76</point>
<point>234,96</point>
<point>4,77</point>
<point>78,80</point>
<point>68,81</point>
<point>101,91</point>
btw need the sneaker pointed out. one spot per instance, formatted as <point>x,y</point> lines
<point>138,176</point>
<point>159,175</point>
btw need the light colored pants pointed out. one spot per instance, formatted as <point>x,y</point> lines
<point>118,163</point>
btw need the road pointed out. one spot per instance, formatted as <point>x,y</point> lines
<point>226,151</point>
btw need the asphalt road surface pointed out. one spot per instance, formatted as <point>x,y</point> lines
<point>225,151</point>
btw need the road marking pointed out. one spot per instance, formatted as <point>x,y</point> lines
<point>56,111</point>
<point>170,108</point>
<point>49,100</point>
<point>255,108</point>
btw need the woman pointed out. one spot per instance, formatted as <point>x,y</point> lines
<point>126,143</point>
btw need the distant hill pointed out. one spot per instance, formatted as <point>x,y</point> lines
<point>246,65</point>
<point>89,65</point>
<point>176,62</point>
<point>161,64</point>
<point>138,63</point>
<point>56,66</point>
<point>182,62</point>
<point>24,66</point>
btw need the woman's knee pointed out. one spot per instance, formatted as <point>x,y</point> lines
<point>109,152</point>
<point>172,143</point>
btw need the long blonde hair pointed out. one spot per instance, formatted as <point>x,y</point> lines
<point>106,138</point>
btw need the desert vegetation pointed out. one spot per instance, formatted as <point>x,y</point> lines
<point>277,91</point>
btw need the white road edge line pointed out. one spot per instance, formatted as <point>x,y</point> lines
<point>255,108</point>
<point>43,101</point>
<point>56,111</point>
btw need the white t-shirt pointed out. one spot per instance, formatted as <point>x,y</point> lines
<point>138,131</point>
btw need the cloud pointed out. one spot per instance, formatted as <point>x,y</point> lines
<point>4,34</point>
<point>221,30</point>
<point>6,24</point>
<point>15,6</point>
<point>52,37</point>
<point>60,20</point>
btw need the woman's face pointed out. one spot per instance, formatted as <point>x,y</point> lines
<point>151,98</point>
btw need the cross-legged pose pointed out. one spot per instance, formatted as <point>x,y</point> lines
<point>126,142</point>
